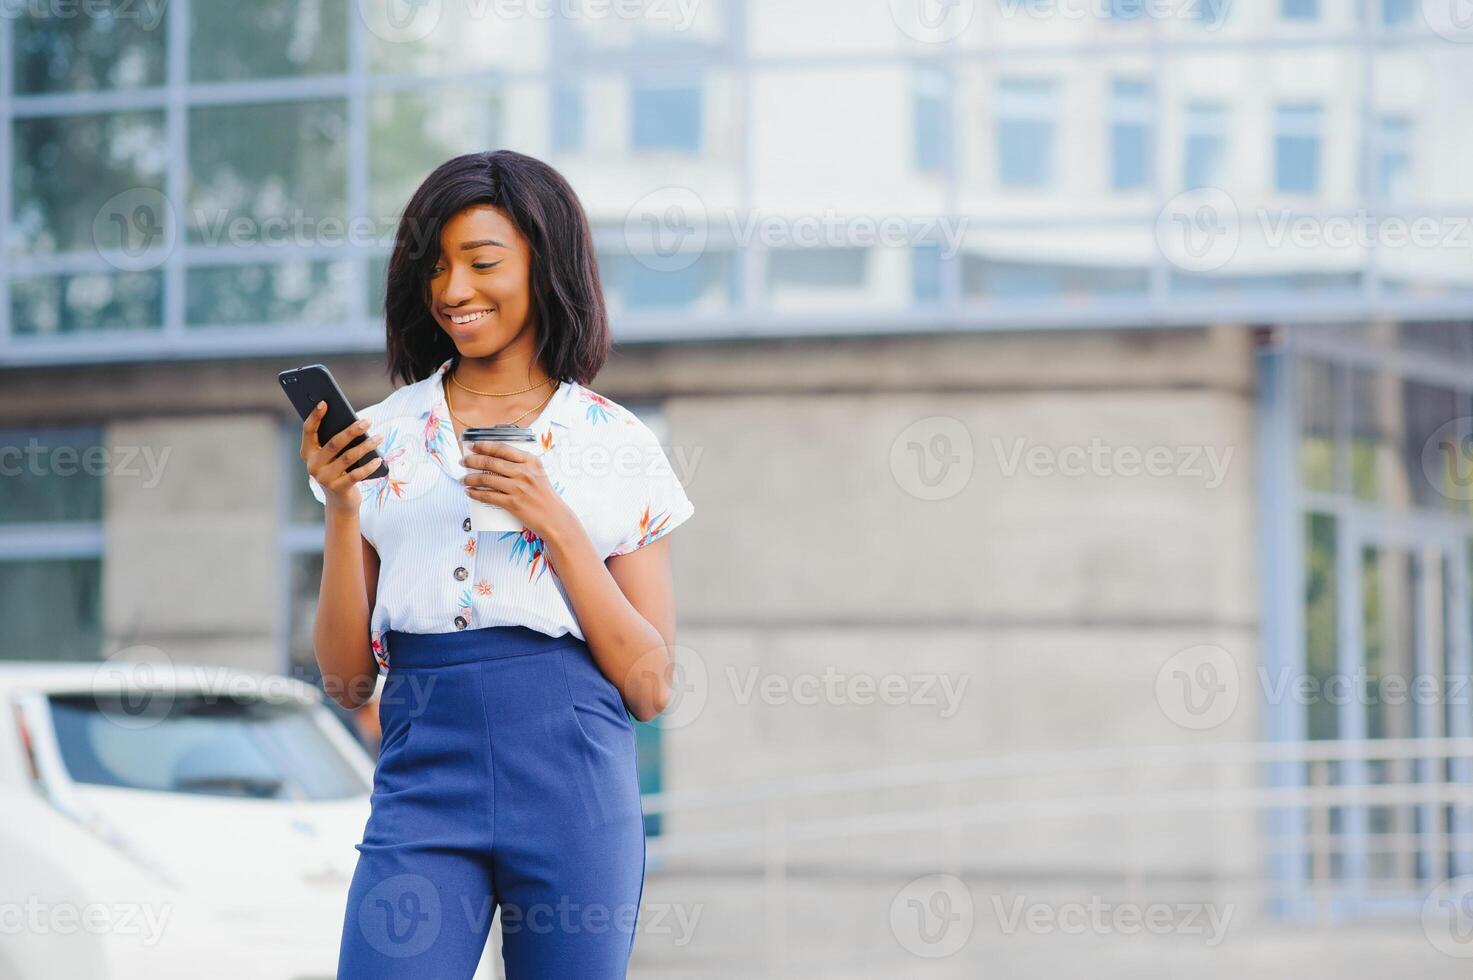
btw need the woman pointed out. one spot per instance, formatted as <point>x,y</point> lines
<point>506,777</point>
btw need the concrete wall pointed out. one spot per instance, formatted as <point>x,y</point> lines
<point>1055,599</point>
<point>1048,602</point>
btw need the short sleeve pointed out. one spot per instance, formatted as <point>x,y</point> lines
<point>652,500</point>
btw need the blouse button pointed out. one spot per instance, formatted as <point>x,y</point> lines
<point>461,574</point>
<point>460,622</point>
<point>465,525</point>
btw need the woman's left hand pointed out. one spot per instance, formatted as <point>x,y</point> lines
<point>516,482</point>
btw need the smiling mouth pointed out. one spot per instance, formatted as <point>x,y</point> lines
<point>461,319</point>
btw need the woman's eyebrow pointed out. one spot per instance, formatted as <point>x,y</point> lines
<point>466,246</point>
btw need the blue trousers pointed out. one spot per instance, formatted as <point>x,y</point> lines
<point>506,780</point>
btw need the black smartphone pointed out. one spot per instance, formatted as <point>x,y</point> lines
<point>306,386</point>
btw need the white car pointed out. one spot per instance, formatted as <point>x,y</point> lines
<point>173,821</point>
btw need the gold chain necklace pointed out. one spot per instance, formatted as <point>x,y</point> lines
<point>497,394</point>
<point>512,422</point>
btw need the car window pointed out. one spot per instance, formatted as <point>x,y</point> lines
<point>216,746</point>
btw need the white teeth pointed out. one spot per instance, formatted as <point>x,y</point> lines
<point>468,317</point>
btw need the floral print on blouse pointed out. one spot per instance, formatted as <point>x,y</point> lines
<point>438,576</point>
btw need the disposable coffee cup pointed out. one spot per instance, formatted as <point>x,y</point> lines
<point>489,517</point>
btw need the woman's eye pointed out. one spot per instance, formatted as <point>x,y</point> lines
<point>484,265</point>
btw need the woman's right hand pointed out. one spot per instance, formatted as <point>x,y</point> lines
<point>339,478</point>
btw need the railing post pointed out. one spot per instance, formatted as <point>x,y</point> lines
<point>775,881</point>
<point>1319,840</point>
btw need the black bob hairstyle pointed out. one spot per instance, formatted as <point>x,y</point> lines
<point>573,339</point>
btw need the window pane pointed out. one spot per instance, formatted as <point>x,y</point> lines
<point>378,276</point>
<point>1318,383</point>
<point>929,126</point>
<point>85,303</point>
<point>412,133</point>
<point>666,117</point>
<point>1393,154</point>
<point>1444,340</point>
<point>67,168</point>
<point>1427,409</point>
<point>1297,149</point>
<point>430,37</point>
<point>814,278</point>
<point>1205,154</point>
<point>282,163</point>
<point>636,285</point>
<point>649,29</point>
<point>1387,589</point>
<point>1320,621</point>
<point>51,475</point>
<point>1130,134</point>
<point>926,264</point>
<point>122,49</point>
<point>998,279</point>
<point>267,39</point>
<point>1400,13</point>
<point>567,118</point>
<point>1065,263</point>
<point>51,609</point>
<point>233,746</point>
<point>285,292</point>
<point>1373,467</point>
<point>649,759</point>
<point>1026,117</point>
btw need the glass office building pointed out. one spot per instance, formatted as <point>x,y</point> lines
<point>217,184</point>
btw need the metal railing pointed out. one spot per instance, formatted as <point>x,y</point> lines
<point>1341,824</point>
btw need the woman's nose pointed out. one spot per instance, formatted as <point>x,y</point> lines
<point>458,287</point>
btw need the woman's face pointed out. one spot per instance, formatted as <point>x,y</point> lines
<point>483,278</point>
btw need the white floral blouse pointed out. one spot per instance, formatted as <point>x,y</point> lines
<point>436,575</point>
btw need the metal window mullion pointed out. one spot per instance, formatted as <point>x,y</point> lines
<point>176,176</point>
<point>7,80</point>
<point>50,540</point>
<point>1459,666</point>
<point>1158,273</point>
<point>1281,558</point>
<point>358,150</point>
<point>1370,156</point>
<point>1351,716</point>
<point>952,279</point>
<point>750,259</point>
<point>1342,425</point>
